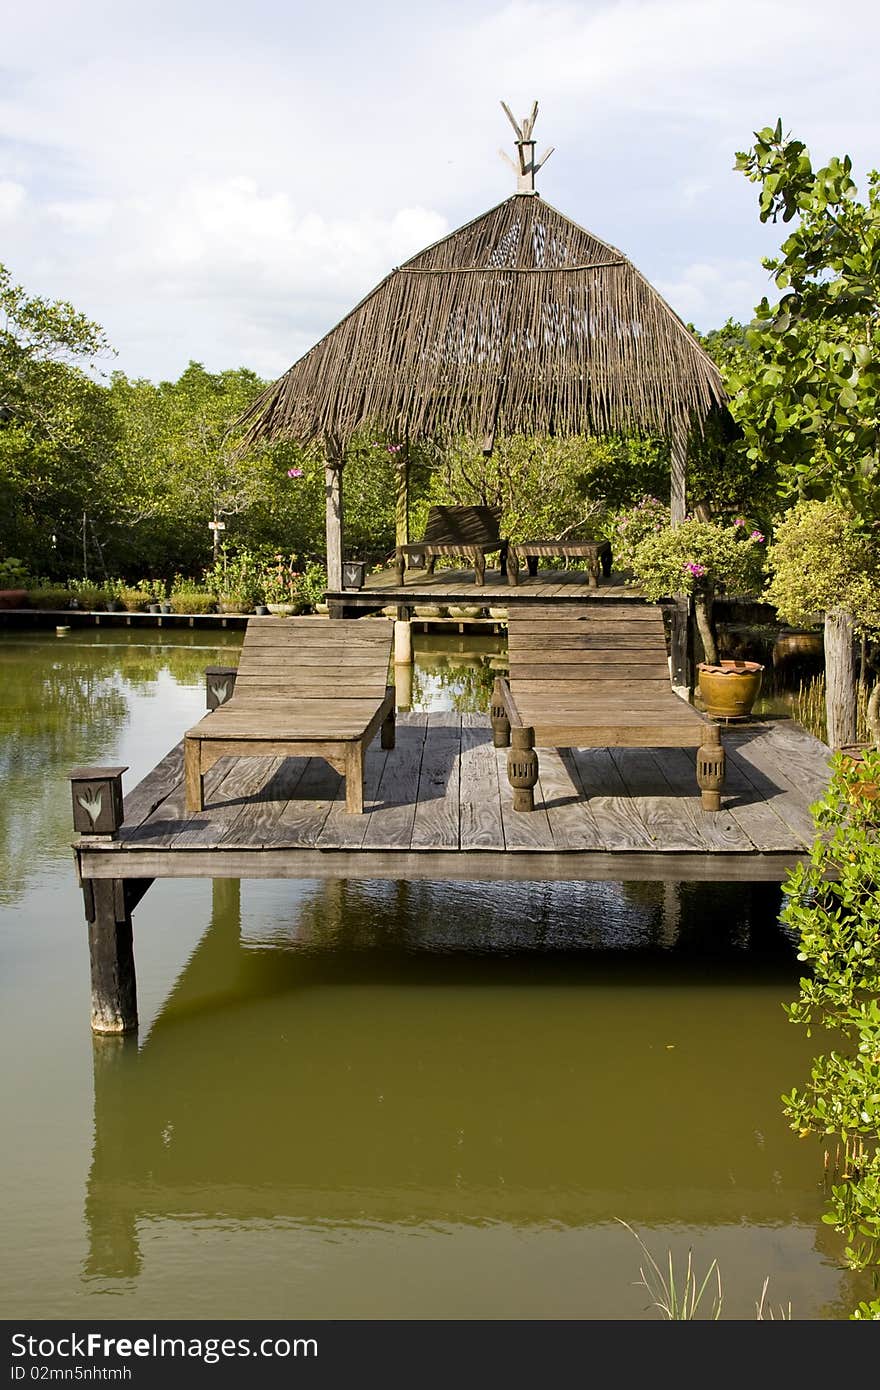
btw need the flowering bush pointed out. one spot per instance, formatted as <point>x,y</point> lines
<point>698,555</point>
<point>700,558</point>
<point>632,526</point>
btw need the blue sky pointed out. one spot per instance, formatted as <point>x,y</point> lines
<point>222,182</point>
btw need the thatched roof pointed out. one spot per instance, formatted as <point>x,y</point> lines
<point>520,321</point>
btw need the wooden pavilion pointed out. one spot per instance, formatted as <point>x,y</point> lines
<point>520,321</point>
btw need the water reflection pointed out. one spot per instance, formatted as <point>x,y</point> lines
<point>70,702</point>
<point>414,1057</point>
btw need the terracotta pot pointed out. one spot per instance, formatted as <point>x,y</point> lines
<point>729,689</point>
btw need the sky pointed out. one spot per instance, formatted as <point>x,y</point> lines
<point>222,182</point>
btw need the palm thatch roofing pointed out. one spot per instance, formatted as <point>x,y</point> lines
<point>518,322</point>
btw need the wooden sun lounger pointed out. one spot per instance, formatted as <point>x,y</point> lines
<point>472,532</point>
<point>595,676</point>
<point>305,687</point>
<point>596,553</point>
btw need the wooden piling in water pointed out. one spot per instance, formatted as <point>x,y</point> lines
<point>97,815</point>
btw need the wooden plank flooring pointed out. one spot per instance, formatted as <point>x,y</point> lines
<point>451,586</point>
<point>439,804</point>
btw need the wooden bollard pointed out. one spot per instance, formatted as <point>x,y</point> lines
<point>219,685</point>
<point>522,768</point>
<point>98,812</point>
<point>711,767</point>
<point>498,716</point>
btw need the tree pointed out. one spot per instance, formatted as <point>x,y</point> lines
<point>808,394</point>
<point>56,430</point>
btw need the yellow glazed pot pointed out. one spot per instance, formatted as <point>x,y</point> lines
<point>730,688</point>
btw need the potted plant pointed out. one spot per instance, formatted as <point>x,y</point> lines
<point>188,596</point>
<point>279,585</point>
<point>311,585</point>
<point>704,558</point>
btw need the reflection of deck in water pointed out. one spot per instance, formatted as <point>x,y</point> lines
<point>340,1077</point>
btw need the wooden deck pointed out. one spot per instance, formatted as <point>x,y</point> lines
<point>438,806</point>
<point>459,586</point>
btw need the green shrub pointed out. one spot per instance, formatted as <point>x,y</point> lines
<point>49,597</point>
<point>91,597</point>
<point>193,601</point>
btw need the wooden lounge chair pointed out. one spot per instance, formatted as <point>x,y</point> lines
<point>305,687</point>
<point>472,532</point>
<point>595,676</point>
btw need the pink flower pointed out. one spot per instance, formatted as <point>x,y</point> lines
<point>695,568</point>
<point>757,537</point>
<point>393,448</point>
<point>740,521</point>
<point>294,472</point>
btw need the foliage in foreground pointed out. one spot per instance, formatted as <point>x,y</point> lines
<point>680,1298</point>
<point>833,901</point>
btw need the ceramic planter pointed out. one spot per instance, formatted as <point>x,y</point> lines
<point>730,688</point>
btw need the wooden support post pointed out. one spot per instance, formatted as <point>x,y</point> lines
<point>97,814</point>
<point>840,678</point>
<point>498,716</point>
<point>334,510</point>
<point>711,766</point>
<point>111,953</point>
<point>401,510</point>
<point>522,768</point>
<point>682,669</point>
<point>193,781</point>
<point>678,450</point>
<point>681,644</point>
<point>403,652</point>
<point>403,684</point>
<point>388,723</point>
<point>354,779</point>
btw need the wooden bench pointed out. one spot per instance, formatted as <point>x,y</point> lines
<point>596,553</point>
<point>305,687</point>
<point>595,676</point>
<point>471,532</point>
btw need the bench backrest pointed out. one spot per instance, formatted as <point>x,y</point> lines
<point>562,650</point>
<point>463,525</point>
<point>314,658</point>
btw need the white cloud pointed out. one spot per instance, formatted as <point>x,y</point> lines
<point>84,215</point>
<point>12,199</point>
<point>224,183</point>
<point>707,293</point>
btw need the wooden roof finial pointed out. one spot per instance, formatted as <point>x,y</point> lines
<point>525,166</point>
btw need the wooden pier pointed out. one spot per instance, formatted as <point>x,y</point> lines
<point>439,806</point>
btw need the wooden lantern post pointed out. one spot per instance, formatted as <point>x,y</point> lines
<point>219,685</point>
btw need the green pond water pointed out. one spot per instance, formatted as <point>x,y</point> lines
<point>374,1100</point>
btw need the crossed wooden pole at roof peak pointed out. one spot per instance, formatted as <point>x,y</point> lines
<point>527,166</point>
